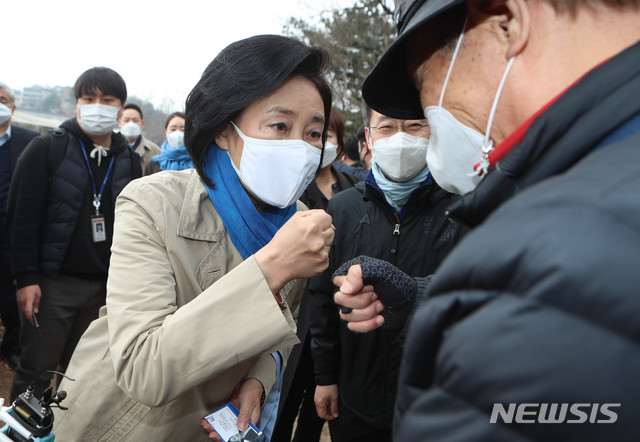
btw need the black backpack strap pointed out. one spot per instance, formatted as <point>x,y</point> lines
<point>58,140</point>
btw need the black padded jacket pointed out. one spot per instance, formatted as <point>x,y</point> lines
<point>540,303</point>
<point>366,367</point>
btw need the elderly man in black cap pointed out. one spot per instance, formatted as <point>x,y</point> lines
<point>531,324</point>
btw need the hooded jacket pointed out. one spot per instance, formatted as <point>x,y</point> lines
<point>539,305</point>
<point>51,204</point>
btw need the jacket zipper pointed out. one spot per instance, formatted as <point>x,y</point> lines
<point>396,239</point>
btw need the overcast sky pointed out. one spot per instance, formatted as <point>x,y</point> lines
<point>159,47</point>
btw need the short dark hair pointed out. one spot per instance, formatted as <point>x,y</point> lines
<point>336,123</point>
<point>102,79</point>
<point>241,74</point>
<point>135,107</point>
<point>172,116</point>
<point>351,148</point>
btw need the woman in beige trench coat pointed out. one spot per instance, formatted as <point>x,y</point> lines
<point>198,297</point>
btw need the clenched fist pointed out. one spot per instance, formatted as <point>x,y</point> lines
<point>300,249</point>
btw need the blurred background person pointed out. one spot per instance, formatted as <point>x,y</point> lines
<point>13,140</point>
<point>174,154</point>
<point>351,156</point>
<point>329,180</point>
<point>358,172</point>
<point>131,123</point>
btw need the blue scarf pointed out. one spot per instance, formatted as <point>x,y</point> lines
<point>173,158</point>
<point>397,194</point>
<point>249,231</point>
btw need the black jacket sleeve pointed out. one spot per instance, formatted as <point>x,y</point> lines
<point>25,211</point>
<point>325,323</point>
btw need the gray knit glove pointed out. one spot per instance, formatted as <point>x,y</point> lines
<point>394,288</point>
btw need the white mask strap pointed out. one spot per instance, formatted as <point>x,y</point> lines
<point>495,101</point>
<point>453,59</point>
<point>487,144</point>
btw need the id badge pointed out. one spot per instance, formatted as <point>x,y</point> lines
<point>98,228</point>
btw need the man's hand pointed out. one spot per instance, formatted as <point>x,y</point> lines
<point>29,301</point>
<point>395,290</point>
<point>361,299</point>
<point>246,397</point>
<point>300,249</point>
<point>326,399</point>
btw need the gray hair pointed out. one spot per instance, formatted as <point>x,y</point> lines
<point>366,114</point>
<point>9,91</point>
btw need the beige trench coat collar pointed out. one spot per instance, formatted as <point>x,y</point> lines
<point>199,219</point>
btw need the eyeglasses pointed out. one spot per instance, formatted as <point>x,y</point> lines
<point>390,129</point>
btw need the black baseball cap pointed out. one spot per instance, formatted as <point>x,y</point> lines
<point>389,88</point>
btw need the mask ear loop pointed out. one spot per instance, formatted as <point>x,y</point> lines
<point>453,59</point>
<point>487,143</point>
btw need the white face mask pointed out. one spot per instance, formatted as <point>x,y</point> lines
<point>329,155</point>
<point>455,149</point>
<point>401,156</point>
<point>98,119</point>
<point>277,171</point>
<point>175,139</point>
<point>131,130</point>
<point>5,113</point>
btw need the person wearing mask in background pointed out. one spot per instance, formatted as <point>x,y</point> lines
<point>398,214</point>
<point>359,172</point>
<point>174,154</point>
<point>13,140</point>
<point>131,124</point>
<point>299,386</point>
<point>351,156</point>
<point>535,118</point>
<point>205,277</point>
<point>60,225</point>
<point>329,180</point>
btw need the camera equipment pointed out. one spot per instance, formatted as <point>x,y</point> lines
<point>30,418</point>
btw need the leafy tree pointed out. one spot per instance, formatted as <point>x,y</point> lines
<point>355,38</point>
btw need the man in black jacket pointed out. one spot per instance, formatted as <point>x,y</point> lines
<point>60,225</point>
<point>395,213</point>
<point>530,327</point>
<point>13,140</point>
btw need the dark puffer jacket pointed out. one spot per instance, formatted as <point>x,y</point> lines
<point>366,366</point>
<point>51,204</point>
<point>540,304</point>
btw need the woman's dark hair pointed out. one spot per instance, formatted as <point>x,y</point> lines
<point>240,75</point>
<point>102,79</point>
<point>336,124</point>
<point>172,116</point>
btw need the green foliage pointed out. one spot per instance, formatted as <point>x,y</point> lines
<point>355,38</point>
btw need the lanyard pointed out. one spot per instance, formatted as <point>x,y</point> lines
<point>96,196</point>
